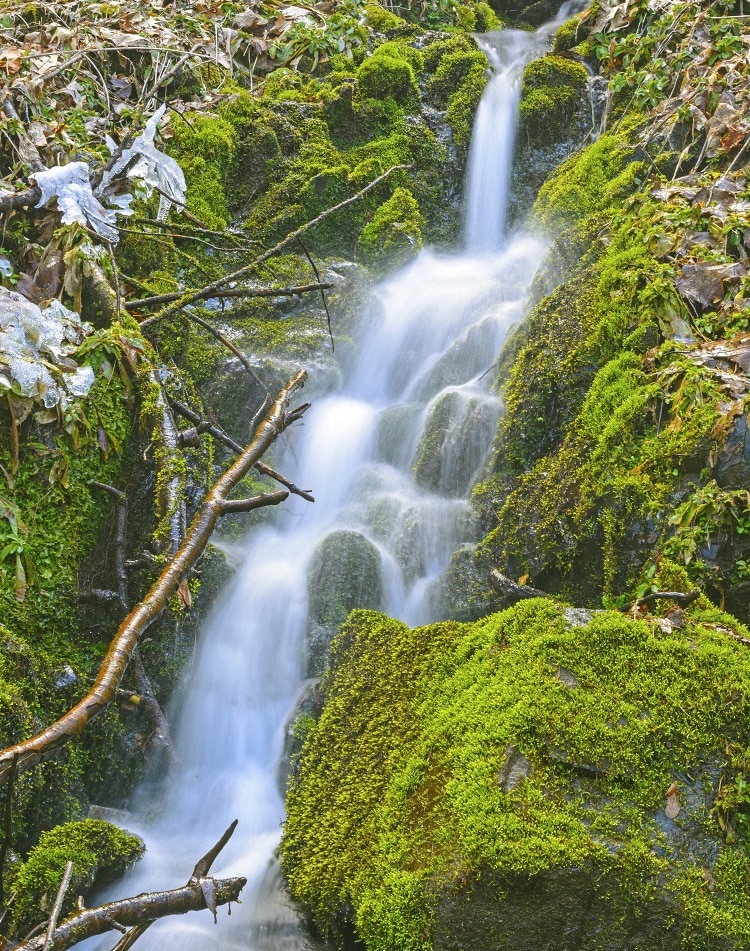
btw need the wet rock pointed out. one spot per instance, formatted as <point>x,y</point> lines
<point>514,770</point>
<point>65,677</point>
<point>557,910</point>
<point>463,592</point>
<point>395,432</point>
<point>733,467</point>
<point>458,432</point>
<point>344,574</point>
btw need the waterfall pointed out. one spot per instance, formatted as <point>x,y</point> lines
<point>391,458</point>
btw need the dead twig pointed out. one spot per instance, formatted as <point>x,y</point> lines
<point>297,289</point>
<point>58,904</point>
<point>192,296</point>
<point>322,291</point>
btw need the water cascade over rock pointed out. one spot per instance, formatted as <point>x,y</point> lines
<point>391,458</point>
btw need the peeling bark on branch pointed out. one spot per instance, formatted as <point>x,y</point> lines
<point>44,745</point>
<point>511,590</point>
<point>140,912</point>
<point>132,912</point>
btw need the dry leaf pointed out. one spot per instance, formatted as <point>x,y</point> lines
<point>672,809</point>
<point>185,595</point>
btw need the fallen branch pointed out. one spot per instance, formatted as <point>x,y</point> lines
<point>230,292</point>
<point>192,296</point>
<point>45,744</point>
<point>12,201</point>
<point>511,591</point>
<point>58,904</point>
<point>141,911</point>
<point>679,597</point>
<point>202,426</point>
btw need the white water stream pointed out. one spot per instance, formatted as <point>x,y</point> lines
<point>438,325</point>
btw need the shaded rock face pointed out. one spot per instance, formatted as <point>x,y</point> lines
<point>344,574</point>
<point>454,442</point>
<point>559,910</point>
<point>560,112</point>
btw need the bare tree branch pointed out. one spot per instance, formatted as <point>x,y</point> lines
<point>202,426</point>
<point>192,296</point>
<point>296,289</point>
<point>58,904</point>
<point>44,745</point>
<point>134,912</point>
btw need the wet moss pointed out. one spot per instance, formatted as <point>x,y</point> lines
<point>388,74</point>
<point>403,795</point>
<point>99,852</point>
<point>395,232</point>
<point>551,93</point>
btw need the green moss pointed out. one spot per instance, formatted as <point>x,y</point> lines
<point>587,182</point>
<point>453,70</point>
<point>395,232</point>
<point>99,852</point>
<point>382,20</point>
<point>566,36</point>
<point>400,790</point>
<point>387,74</point>
<point>552,90</point>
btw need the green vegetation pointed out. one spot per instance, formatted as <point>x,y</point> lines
<point>99,852</point>
<point>519,745</point>
<point>551,92</point>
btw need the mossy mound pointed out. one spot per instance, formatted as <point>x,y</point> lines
<point>552,90</point>
<point>99,851</point>
<point>394,233</point>
<point>509,783</point>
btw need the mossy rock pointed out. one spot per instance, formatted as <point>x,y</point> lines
<point>381,20</point>
<point>395,432</point>
<point>507,783</point>
<point>344,574</point>
<point>99,851</point>
<point>395,232</point>
<point>389,75</point>
<point>587,182</point>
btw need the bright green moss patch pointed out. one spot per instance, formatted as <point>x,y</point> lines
<point>395,231</point>
<point>99,852</point>
<point>388,75</point>
<point>516,744</point>
<point>552,89</point>
<point>587,182</point>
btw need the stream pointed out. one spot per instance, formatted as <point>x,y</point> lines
<point>392,457</point>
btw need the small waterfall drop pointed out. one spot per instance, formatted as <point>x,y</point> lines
<point>391,457</point>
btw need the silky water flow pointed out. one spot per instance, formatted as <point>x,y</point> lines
<point>392,455</point>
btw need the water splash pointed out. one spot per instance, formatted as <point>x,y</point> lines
<point>391,456</point>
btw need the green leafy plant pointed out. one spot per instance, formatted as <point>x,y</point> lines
<point>12,531</point>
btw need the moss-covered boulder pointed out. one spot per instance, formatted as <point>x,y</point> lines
<point>395,232</point>
<point>555,118</point>
<point>99,851</point>
<point>344,574</point>
<point>544,778</point>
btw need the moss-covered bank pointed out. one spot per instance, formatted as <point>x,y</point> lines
<point>459,774</point>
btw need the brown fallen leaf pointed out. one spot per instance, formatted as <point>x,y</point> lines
<point>185,594</point>
<point>672,809</point>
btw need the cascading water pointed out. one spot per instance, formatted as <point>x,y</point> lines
<point>391,456</point>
